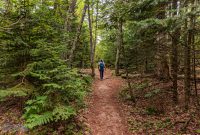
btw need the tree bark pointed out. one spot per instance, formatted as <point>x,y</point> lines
<point>70,13</point>
<point>196,2</point>
<point>194,67</point>
<point>96,25</point>
<point>174,56</point>
<point>91,42</point>
<point>119,46</point>
<point>190,43</point>
<point>162,64</point>
<point>78,33</point>
<point>187,67</point>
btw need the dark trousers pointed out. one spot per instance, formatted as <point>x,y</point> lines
<point>101,74</point>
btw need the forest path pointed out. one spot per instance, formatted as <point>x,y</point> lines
<point>104,115</point>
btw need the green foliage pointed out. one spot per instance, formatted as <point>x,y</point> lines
<point>125,94</point>
<point>164,124</point>
<point>34,48</point>
<point>151,111</point>
<point>198,131</point>
<point>8,93</point>
<point>106,49</point>
<point>141,86</point>
<point>59,88</point>
<point>39,112</point>
<point>63,112</point>
<point>20,90</point>
<point>152,93</point>
<point>38,120</point>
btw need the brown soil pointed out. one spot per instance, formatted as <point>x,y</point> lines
<point>105,115</point>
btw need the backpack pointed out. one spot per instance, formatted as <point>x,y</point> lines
<point>101,65</point>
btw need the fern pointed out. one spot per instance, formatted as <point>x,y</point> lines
<point>63,112</point>
<point>36,112</point>
<point>152,93</point>
<point>59,113</point>
<point>34,120</point>
<point>35,106</point>
<point>141,86</point>
<point>39,112</point>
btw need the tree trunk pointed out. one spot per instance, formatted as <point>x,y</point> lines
<point>187,67</point>
<point>91,42</point>
<point>78,33</point>
<point>129,85</point>
<point>174,67</point>
<point>119,46</point>
<point>162,64</point>
<point>174,56</point>
<point>190,43</point>
<point>70,14</point>
<point>96,25</point>
<point>196,2</point>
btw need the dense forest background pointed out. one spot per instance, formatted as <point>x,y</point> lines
<point>45,44</point>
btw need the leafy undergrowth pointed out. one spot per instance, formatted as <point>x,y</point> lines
<point>153,112</point>
<point>50,113</point>
<point>12,123</point>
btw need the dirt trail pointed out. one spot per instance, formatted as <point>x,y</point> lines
<point>104,115</point>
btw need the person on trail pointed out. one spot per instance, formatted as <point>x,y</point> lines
<point>101,68</point>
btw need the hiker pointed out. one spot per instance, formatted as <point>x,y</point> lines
<point>101,68</point>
